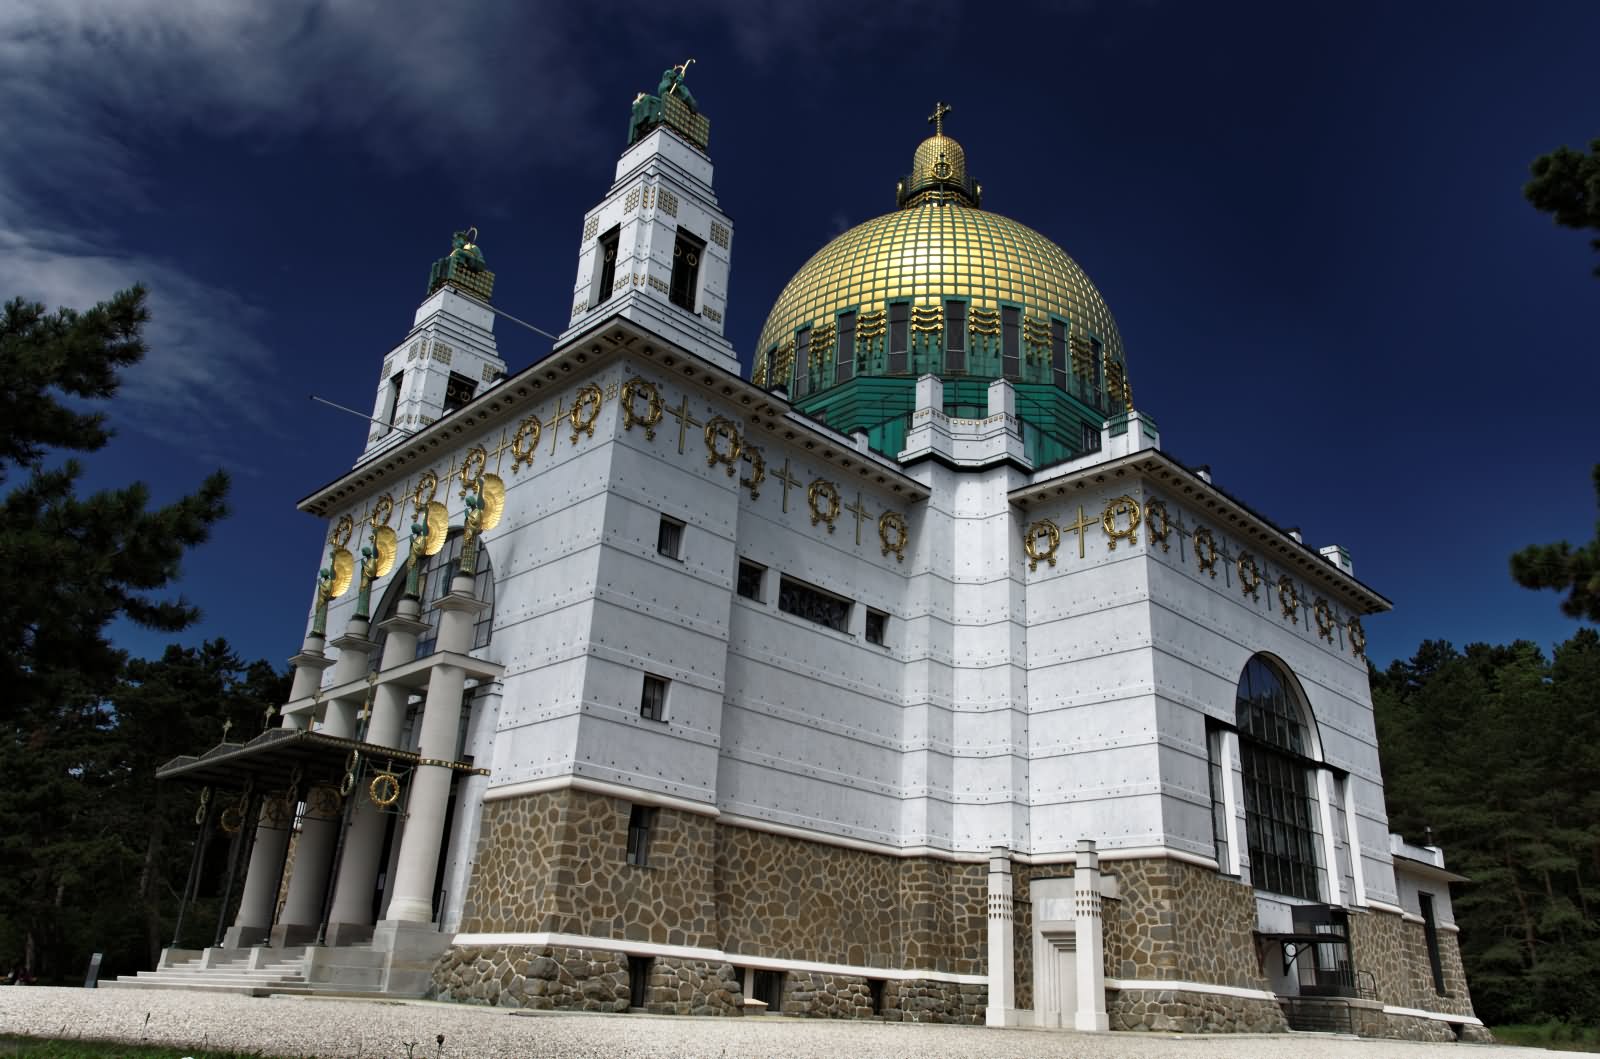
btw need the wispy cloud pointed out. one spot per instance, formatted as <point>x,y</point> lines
<point>89,82</point>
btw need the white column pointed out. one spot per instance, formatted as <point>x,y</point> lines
<point>351,919</point>
<point>319,828</point>
<point>1001,956</point>
<point>260,893</point>
<point>1091,1015</point>
<point>430,784</point>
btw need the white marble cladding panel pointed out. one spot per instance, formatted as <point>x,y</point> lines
<point>1412,885</point>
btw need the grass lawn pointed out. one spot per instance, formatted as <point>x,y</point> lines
<point>1556,1035</point>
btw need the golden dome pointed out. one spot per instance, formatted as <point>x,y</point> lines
<point>936,248</point>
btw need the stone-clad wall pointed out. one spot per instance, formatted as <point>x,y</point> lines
<point>1180,922</point>
<point>1184,1011</point>
<point>839,996</point>
<point>573,979</point>
<point>556,861</point>
<point>779,896</point>
<point>1395,951</point>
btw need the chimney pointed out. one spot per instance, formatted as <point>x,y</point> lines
<point>1336,555</point>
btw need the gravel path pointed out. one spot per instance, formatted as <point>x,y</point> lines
<point>296,1026</point>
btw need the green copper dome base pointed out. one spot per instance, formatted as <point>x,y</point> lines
<point>1055,426</point>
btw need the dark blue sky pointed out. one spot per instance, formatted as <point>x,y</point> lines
<point>1307,220</point>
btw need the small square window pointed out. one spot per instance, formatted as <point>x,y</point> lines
<point>653,703</point>
<point>641,818</point>
<point>669,538</point>
<point>877,623</point>
<point>750,578</point>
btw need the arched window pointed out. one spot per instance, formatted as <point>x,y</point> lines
<point>434,584</point>
<point>1275,747</point>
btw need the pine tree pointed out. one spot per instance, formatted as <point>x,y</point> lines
<point>71,565</point>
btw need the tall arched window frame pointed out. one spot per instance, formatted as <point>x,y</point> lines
<point>434,585</point>
<point>1278,770</point>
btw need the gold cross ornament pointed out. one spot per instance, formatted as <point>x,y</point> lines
<point>784,475</point>
<point>1080,525</point>
<point>685,421</point>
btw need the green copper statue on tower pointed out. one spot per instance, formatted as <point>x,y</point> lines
<point>674,106</point>
<point>463,267</point>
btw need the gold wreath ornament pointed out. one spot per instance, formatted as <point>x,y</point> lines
<point>427,488</point>
<point>347,784</point>
<point>1046,531</point>
<point>273,812</point>
<point>823,499</point>
<point>525,442</point>
<point>1122,505</point>
<point>1324,615</point>
<point>1288,598</point>
<point>200,810</point>
<point>472,467</point>
<point>723,428</point>
<point>893,533</point>
<point>585,410</point>
<point>1206,551</point>
<point>632,390</point>
<point>382,511</point>
<point>324,800</point>
<point>1358,638</point>
<point>758,470</point>
<point>1155,512</point>
<point>1249,574</point>
<point>384,790</point>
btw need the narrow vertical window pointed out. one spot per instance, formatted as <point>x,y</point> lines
<point>608,264</point>
<point>1097,372</point>
<point>641,818</point>
<point>1058,354</point>
<point>653,700</point>
<point>686,255</point>
<point>770,358</point>
<point>955,337</point>
<point>639,968</point>
<point>1430,934</point>
<point>1221,826</point>
<point>877,623</point>
<point>391,403</point>
<point>899,336</point>
<point>1011,341</point>
<point>844,361</point>
<point>802,362</point>
<point>1091,438</point>
<point>669,538</point>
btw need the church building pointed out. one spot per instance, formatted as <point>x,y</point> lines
<point>902,676</point>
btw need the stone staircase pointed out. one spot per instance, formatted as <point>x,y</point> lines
<point>263,971</point>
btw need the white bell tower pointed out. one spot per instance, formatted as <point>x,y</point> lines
<point>449,355</point>
<point>657,249</point>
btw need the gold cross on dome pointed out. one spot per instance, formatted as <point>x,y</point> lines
<point>860,512</point>
<point>1080,525</point>
<point>784,475</point>
<point>685,421</point>
<point>937,117</point>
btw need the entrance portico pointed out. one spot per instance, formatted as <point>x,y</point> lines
<point>334,775</point>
